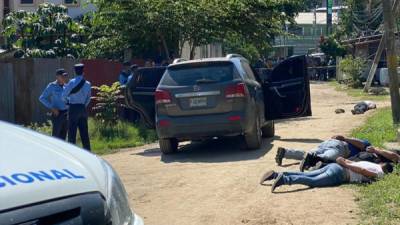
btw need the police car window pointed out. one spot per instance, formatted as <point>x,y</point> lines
<point>248,71</point>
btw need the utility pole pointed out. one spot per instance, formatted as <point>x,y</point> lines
<point>389,19</point>
<point>329,12</point>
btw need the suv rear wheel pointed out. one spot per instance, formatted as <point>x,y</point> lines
<point>268,130</point>
<point>168,145</point>
<point>253,139</point>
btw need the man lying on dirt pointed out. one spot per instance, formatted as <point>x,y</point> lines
<point>327,152</point>
<point>333,174</point>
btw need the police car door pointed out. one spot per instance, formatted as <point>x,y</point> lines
<point>139,94</point>
<point>287,90</point>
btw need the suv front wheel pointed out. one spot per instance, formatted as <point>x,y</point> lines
<point>268,130</point>
<point>168,145</point>
<point>253,139</point>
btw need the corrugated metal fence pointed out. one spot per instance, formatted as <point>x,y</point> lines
<point>23,80</point>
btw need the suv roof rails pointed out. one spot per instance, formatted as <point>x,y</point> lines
<point>178,60</point>
<point>230,56</point>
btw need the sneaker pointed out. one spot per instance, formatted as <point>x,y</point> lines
<point>305,163</point>
<point>279,156</point>
<point>269,175</point>
<point>278,182</point>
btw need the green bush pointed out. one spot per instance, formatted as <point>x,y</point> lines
<point>107,100</point>
<point>331,47</point>
<point>353,67</point>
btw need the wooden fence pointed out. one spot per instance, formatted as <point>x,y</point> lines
<point>23,80</point>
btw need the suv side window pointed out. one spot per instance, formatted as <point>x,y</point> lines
<point>247,69</point>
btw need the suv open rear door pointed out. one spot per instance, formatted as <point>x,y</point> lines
<point>287,90</point>
<point>139,93</point>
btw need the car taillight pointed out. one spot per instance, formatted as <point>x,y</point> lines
<point>162,97</point>
<point>164,123</point>
<point>236,91</point>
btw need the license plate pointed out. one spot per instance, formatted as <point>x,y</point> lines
<point>198,102</point>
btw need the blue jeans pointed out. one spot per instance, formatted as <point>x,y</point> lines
<point>328,151</point>
<point>331,175</point>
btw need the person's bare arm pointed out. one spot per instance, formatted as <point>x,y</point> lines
<point>387,154</point>
<point>347,164</point>
<point>353,141</point>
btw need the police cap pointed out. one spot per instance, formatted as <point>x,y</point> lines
<point>79,68</point>
<point>134,66</point>
<point>60,72</point>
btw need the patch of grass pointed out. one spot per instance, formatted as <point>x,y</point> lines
<point>378,129</point>
<point>357,93</point>
<point>379,201</point>
<point>105,140</point>
<point>122,135</point>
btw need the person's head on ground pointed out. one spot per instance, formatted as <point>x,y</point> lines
<point>61,76</point>
<point>387,167</point>
<point>79,69</point>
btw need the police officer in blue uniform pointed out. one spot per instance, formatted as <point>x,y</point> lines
<point>125,73</point>
<point>51,99</point>
<point>77,95</point>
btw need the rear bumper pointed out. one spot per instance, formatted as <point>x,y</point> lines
<point>205,126</point>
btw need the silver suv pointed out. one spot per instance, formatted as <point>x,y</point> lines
<point>216,97</point>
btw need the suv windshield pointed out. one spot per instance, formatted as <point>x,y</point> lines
<point>201,73</point>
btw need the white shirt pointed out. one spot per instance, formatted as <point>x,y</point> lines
<point>372,167</point>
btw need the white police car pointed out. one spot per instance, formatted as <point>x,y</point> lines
<point>47,181</point>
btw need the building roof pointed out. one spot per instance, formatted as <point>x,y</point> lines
<point>308,18</point>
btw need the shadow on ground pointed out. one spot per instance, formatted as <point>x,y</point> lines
<point>302,140</point>
<point>212,151</point>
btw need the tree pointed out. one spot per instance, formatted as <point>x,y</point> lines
<point>361,17</point>
<point>166,25</point>
<point>331,47</point>
<point>49,32</point>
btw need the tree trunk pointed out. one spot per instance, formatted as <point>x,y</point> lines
<point>165,45</point>
<point>192,48</point>
<point>389,21</point>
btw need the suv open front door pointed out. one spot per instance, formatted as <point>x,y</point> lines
<point>287,90</point>
<point>139,93</point>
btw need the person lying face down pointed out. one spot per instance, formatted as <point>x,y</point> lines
<point>333,174</point>
<point>327,152</point>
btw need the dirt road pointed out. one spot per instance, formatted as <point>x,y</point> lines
<point>217,183</point>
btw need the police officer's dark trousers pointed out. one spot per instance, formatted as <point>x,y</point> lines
<point>60,124</point>
<point>78,118</point>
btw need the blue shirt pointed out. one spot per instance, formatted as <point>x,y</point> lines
<point>124,78</point>
<point>51,97</point>
<point>82,96</point>
<point>354,150</point>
